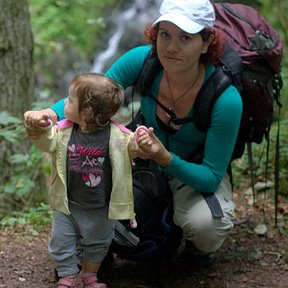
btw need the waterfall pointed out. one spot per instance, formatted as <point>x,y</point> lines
<point>128,27</point>
<point>140,13</point>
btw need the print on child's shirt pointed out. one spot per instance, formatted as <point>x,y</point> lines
<point>88,162</point>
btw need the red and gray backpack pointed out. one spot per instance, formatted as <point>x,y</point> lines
<point>251,62</point>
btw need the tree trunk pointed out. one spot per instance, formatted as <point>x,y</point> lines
<point>16,57</point>
<point>16,96</point>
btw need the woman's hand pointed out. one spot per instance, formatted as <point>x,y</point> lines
<point>35,121</point>
<point>147,146</point>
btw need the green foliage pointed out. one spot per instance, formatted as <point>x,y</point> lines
<point>30,220</point>
<point>241,166</point>
<point>56,22</point>
<point>10,125</point>
<point>22,183</point>
<point>66,34</point>
<point>6,118</point>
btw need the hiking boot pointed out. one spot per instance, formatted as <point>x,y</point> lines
<point>90,280</point>
<point>195,257</point>
<point>69,281</point>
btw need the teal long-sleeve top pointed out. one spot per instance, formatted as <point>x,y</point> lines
<point>216,145</point>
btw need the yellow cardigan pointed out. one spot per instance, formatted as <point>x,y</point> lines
<point>55,141</point>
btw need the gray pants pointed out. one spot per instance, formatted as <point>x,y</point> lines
<point>194,217</point>
<point>86,230</point>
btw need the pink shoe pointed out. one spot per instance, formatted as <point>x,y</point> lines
<point>91,281</point>
<point>69,281</point>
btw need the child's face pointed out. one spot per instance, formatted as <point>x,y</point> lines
<point>71,108</point>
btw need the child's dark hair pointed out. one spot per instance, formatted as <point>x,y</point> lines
<point>215,50</point>
<point>99,98</point>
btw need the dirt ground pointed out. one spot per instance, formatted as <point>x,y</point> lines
<point>246,259</point>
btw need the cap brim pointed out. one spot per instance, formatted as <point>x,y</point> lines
<point>182,22</point>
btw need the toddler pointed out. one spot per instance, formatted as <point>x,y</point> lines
<point>91,183</point>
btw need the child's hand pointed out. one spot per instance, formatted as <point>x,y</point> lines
<point>143,135</point>
<point>145,143</point>
<point>36,122</point>
<point>140,137</point>
<point>133,223</point>
<point>147,146</point>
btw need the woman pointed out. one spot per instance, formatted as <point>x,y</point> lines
<point>188,48</point>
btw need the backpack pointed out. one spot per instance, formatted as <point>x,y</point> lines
<point>156,236</point>
<point>252,62</point>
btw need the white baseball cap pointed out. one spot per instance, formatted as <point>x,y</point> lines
<point>191,16</point>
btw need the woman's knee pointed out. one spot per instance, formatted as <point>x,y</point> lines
<point>207,234</point>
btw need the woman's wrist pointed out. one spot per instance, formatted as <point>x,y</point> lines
<point>163,159</point>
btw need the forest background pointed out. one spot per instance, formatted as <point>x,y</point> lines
<point>42,45</point>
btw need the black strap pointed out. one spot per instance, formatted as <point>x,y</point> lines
<point>149,70</point>
<point>173,117</point>
<point>277,85</point>
<point>214,205</point>
<point>229,72</point>
<point>208,94</point>
<point>276,172</point>
<point>232,66</point>
<point>252,178</point>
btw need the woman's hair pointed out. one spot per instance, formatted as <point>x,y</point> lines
<point>215,50</point>
<point>151,33</point>
<point>99,98</point>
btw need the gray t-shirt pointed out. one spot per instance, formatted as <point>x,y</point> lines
<point>89,175</point>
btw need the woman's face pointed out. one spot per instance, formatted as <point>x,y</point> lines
<point>177,50</point>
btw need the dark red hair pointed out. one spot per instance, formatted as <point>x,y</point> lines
<point>215,50</point>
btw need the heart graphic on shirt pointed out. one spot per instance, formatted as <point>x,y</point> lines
<point>93,180</point>
<point>101,160</point>
<point>71,147</point>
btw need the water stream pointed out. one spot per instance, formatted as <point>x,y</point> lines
<point>128,27</point>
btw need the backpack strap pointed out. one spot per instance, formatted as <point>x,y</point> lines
<point>232,66</point>
<point>251,169</point>
<point>147,74</point>
<point>208,94</point>
<point>277,168</point>
<point>229,72</point>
